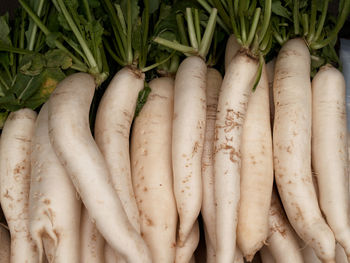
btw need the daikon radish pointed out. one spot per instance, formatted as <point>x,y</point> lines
<point>232,47</point>
<point>15,147</point>
<point>292,148</point>
<point>54,207</point>
<point>152,171</point>
<point>256,172</point>
<point>5,244</point>
<point>184,253</point>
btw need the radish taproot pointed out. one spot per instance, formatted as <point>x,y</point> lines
<point>91,241</point>
<point>214,81</point>
<point>54,207</point>
<point>184,253</point>
<point>15,146</point>
<point>292,145</point>
<point>75,147</point>
<point>112,130</point>
<point>189,122</point>
<point>151,169</point>
<point>329,151</point>
<point>282,241</point>
<point>256,172</point>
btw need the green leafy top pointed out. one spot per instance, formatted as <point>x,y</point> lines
<point>311,21</point>
<point>73,22</point>
<point>194,41</point>
<point>29,69</point>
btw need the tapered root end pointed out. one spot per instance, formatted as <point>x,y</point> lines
<point>249,258</point>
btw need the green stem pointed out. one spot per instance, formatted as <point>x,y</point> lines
<point>46,31</point>
<point>158,63</point>
<point>181,28</point>
<point>312,20</point>
<point>8,73</point>
<point>243,29</point>
<point>129,55</point>
<point>235,7</point>
<point>121,17</point>
<point>87,10</point>
<point>296,17</point>
<point>233,18</point>
<point>174,64</point>
<point>255,22</point>
<point>333,34</point>
<point>226,19</point>
<point>305,24</point>
<point>266,20</point>
<point>11,49</point>
<point>145,23</point>
<point>208,8</point>
<point>257,80</point>
<point>4,83</point>
<point>278,38</point>
<point>208,34</point>
<point>35,27</point>
<point>83,44</point>
<point>322,20</point>
<point>197,26</point>
<point>117,27</point>
<point>113,54</point>
<point>176,46</point>
<point>191,30</point>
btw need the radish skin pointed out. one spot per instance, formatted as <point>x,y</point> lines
<point>329,151</point>
<point>266,256</point>
<point>15,148</point>
<point>54,208</point>
<point>152,171</point>
<point>184,254</point>
<point>112,131</point>
<point>232,47</point>
<point>292,148</point>
<point>282,241</point>
<point>214,81</point>
<point>256,172</point>
<point>187,141</point>
<point>5,244</point>
<point>91,241</point>
<point>232,105</point>
<point>73,143</point>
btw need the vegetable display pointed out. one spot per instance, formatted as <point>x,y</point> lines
<point>181,131</point>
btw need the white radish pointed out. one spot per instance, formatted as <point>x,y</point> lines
<point>340,255</point>
<point>232,47</point>
<point>187,141</point>
<point>233,101</point>
<point>184,253</point>
<point>15,148</point>
<point>214,81</point>
<point>256,172</point>
<point>292,148</point>
<point>152,171</point>
<point>91,241</point>
<point>112,130</point>
<point>73,143</point>
<point>5,244</point>
<point>309,255</point>
<point>54,208</point>
<point>266,256</point>
<point>329,151</point>
<point>282,241</point>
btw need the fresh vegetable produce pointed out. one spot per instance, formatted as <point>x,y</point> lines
<point>151,169</point>
<point>282,241</point>
<point>184,253</point>
<point>292,129</point>
<point>256,172</point>
<point>54,209</point>
<point>15,148</point>
<point>92,244</point>
<point>329,150</point>
<point>189,120</point>
<point>240,78</point>
<point>266,256</point>
<point>214,81</point>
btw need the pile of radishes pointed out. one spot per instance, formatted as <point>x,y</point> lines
<point>253,165</point>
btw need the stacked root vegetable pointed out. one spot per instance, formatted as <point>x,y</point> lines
<point>169,160</point>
